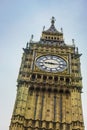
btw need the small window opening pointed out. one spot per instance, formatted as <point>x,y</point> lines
<point>50,78</point>
<point>38,76</point>
<point>44,77</point>
<point>62,79</point>
<point>56,78</point>
<point>33,77</point>
<point>67,80</point>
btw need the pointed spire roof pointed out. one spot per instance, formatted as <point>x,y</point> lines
<point>52,35</point>
<point>52,29</point>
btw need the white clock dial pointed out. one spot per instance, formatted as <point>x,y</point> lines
<point>51,63</point>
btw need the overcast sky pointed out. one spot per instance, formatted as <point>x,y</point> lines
<point>19,19</point>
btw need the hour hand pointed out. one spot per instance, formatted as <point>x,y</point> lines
<point>62,64</point>
<point>50,63</point>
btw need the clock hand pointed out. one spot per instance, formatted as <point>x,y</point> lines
<point>54,63</point>
<point>50,63</point>
<point>61,64</point>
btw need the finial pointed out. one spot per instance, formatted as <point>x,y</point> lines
<point>77,49</point>
<point>61,30</point>
<point>73,41</point>
<point>53,20</point>
<point>43,28</point>
<point>27,45</point>
<point>31,38</point>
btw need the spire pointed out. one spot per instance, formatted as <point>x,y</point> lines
<point>52,28</point>
<point>53,20</point>
<point>52,34</point>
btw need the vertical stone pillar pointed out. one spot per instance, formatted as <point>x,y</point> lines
<point>68,109</point>
<point>60,105</point>
<point>42,104</point>
<point>80,114</point>
<point>50,125</point>
<point>73,104</point>
<point>64,108</point>
<point>57,116</point>
<point>37,124</point>
<point>44,125</point>
<point>48,108</point>
<point>64,126</point>
<point>38,111</point>
<point>32,105</point>
<point>76,104</point>
<point>54,107</point>
<point>44,107</point>
<point>29,112</point>
<point>57,126</point>
<point>51,107</point>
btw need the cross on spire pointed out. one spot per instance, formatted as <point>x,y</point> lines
<point>53,20</point>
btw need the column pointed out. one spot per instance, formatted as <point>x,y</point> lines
<point>44,107</point>
<point>38,110</point>
<point>64,108</point>
<point>57,116</point>
<point>68,108</point>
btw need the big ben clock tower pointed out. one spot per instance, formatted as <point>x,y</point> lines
<point>49,85</point>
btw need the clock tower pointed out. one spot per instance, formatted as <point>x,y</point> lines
<point>49,85</point>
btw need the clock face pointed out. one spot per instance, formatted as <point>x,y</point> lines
<point>51,63</point>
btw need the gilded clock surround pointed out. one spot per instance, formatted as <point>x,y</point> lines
<point>45,100</point>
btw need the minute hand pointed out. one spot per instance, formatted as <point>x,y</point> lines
<point>62,64</point>
<point>54,63</point>
<point>51,63</point>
